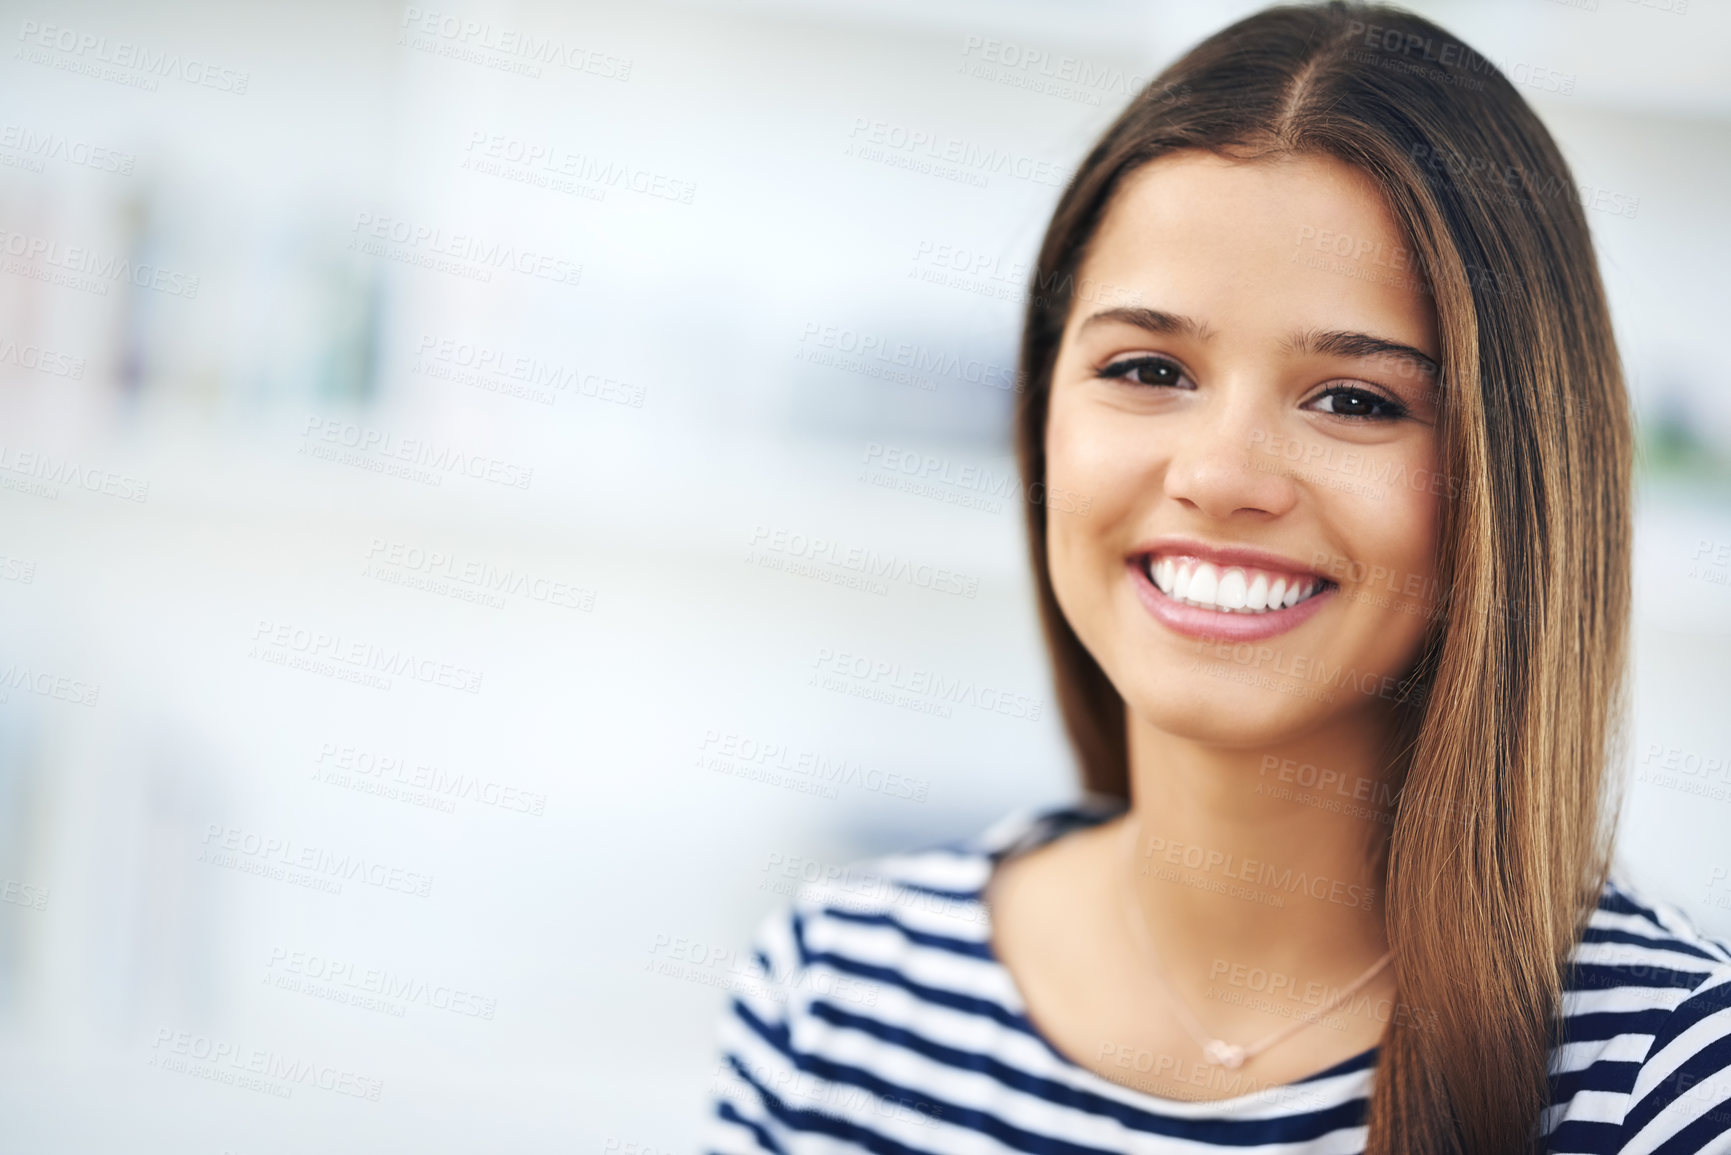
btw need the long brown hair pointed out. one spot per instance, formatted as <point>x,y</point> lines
<point>1519,683</point>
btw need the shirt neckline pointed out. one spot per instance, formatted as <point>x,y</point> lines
<point>1030,829</point>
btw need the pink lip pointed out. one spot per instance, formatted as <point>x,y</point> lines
<point>1195,622</point>
<point>1224,555</point>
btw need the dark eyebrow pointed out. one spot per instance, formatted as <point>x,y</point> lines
<point>1153,320</point>
<point>1335,343</point>
<point>1331,342</point>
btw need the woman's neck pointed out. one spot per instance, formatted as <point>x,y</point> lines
<point>1262,858</point>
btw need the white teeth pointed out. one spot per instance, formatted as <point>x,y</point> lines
<point>1231,595</point>
<point>1233,590</point>
<point>1204,584</point>
<point>1256,597</point>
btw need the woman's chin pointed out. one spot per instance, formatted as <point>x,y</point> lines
<point>1219,708</point>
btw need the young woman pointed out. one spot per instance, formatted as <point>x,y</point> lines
<point>1340,644</point>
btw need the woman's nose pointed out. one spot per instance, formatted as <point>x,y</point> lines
<point>1219,465</point>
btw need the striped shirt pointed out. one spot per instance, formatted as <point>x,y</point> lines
<point>874,1015</point>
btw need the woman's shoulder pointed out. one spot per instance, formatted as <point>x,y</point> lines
<point>1632,940</point>
<point>1646,1019</point>
<point>1644,975</point>
<point>930,897</point>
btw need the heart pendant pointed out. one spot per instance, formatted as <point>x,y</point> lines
<point>1223,1054</point>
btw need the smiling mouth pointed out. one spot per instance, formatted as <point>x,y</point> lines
<point>1236,589</point>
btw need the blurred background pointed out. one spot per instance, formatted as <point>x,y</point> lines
<point>425,438</point>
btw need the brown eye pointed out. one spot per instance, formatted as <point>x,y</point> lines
<point>1147,371</point>
<point>1347,401</point>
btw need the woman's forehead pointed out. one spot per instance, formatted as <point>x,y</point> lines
<point>1288,242</point>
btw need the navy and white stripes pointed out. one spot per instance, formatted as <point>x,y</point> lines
<point>880,1020</point>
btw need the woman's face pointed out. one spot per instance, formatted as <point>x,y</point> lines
<point>1249,402</point>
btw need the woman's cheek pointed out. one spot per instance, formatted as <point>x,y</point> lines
<point>1063,474</point>
<point>1389,582</point>
<point>1093,452</point>
<point>1079,459</point>
<point>1418,507</point>
<point>1085,489</point>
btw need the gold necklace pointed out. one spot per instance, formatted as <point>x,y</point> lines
<point>1216,1050</point>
